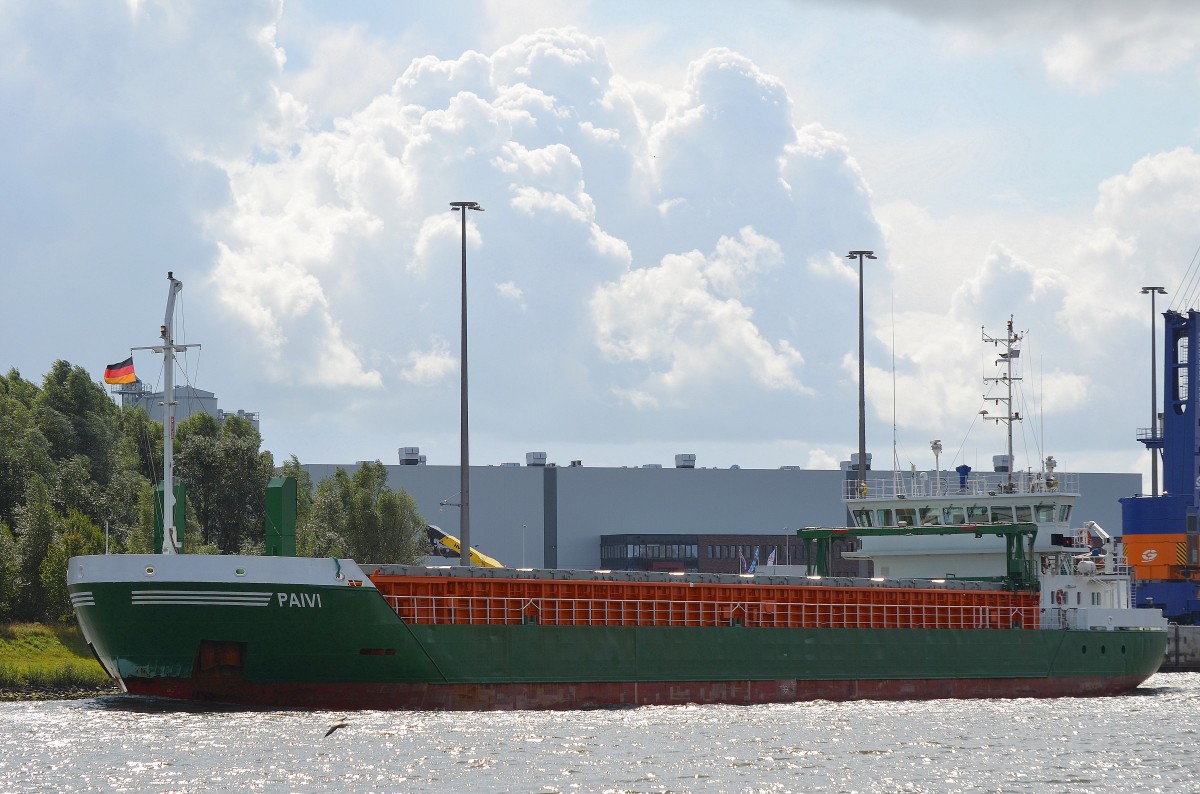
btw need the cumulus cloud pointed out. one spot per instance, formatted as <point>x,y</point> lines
<point>430,367</point>
<point>569,165</point>
<point>1085,44</point>
<point>677,318</point>
<point>1071,281</point>
<point>656,261</point>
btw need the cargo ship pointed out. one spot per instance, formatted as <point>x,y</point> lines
<point>328,633</point>
<point>287,632</point>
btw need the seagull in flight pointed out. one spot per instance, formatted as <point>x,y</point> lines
<point>340,722</point>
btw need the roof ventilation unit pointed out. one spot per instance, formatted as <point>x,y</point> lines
<point>411,456</point>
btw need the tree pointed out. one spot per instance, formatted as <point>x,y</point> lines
<point>384,525</point>
<point>78,417</point>
<point>226,477</point>
<point>24,449</point>
<point>139,444</point>
<point>304,486</point>
<point>36,526</point>
<point>78,536</point>
<point>9,572</point>
<point>72,488</point>
<point>361,517</point>
<point>323,531</point>
<point>138,537</point>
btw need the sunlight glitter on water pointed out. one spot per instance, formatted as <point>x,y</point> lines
<point>1143,741</point>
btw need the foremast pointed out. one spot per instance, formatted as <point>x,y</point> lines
<point>172,543</point>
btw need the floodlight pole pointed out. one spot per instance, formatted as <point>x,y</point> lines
<point>862,390</point>
<point>464,554</point>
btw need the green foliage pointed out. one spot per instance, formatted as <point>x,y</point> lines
<point>361,517</point>
<point>9,570</point>
<point>323,532</point>
<point>78,418</point>
<point>78,536</point>
<point>73,463</point>
<point>24,449</point>
<point>226,477</point>
<point>304,486</point>
<point>36,525</point>
<point>72,488</point>
<point>138,537</point>
<point>139,445</point>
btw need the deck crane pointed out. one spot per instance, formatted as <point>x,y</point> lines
<point>438,538</point>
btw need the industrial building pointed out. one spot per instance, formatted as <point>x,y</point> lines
<point>188,401</point>
<point>649,517</point>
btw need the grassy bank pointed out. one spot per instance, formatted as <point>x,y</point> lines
<point>39,660</point>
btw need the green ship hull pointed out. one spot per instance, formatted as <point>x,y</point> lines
<point>297,642</point>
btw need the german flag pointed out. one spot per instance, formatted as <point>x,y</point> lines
<point>121,372</point>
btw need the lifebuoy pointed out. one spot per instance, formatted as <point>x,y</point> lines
<point>1060,597</point>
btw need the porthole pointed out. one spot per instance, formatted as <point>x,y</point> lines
<point>149,570</point>
<point>240,572</point>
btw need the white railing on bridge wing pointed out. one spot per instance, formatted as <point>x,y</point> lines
<point>901,485</point>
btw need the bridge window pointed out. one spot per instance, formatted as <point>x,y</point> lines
<point>1024,514</point>
<point>1044,513</point>
<point>1002,515</point>
<point>930,517</point>
<point>954,515</point>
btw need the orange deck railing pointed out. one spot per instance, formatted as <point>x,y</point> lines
<point>445,600</point>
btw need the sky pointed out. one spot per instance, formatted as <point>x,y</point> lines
<point>670,190</point>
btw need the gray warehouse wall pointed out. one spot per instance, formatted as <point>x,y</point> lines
<point>509,522</point>
<point>594,502</point>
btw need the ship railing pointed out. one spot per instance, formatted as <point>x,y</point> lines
<point>486,610</point>
<point>897,485</point>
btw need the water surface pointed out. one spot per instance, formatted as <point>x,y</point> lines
<point>1140,742</point>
